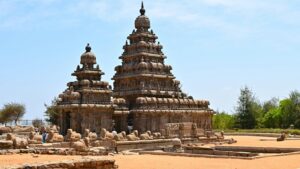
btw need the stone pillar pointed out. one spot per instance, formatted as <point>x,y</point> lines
<point>62,122</point>
<point>124,125</point>
<point>73,121</point>
<point>153,122</point>
<point>163,120</point>
<point>106,120</point>
<point>143,123</point>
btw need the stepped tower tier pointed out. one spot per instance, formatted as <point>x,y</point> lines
<point>152,93</point>
<point>87,102</point>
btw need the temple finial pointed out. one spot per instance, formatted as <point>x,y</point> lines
<point>142,10</point>
<point>88,48</point>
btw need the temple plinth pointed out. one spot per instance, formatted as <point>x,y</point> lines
<point>152,93</point>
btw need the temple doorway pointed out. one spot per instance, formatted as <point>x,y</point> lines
<point>67,122</point>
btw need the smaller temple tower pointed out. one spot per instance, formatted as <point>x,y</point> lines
<point>87,102</point>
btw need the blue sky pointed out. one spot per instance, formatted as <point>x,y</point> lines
<point>215,46</point>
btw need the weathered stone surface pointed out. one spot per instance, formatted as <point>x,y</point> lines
<point>6,144</point>
<point>54,137</point>
<point>4,130</point>
<point>146,94</point>
<point>88,163</point>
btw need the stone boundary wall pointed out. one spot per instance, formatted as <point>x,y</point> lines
<point>56,151</point>
<point>212,151</point>
<point>257,149</point>
<point>194,155</point>
<point>259,134</point>
<point>88,163</point>
<point>217,156</point>
<point>147,144</point>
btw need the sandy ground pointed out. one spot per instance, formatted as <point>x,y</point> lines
<point>172,162</point>
<point>268,142</point>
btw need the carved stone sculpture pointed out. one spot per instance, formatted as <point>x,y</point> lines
<point>54,137</point>
<point>18,143</point>
<point>10,136</point>
<point>72,136</point>
<point>120,136</point>
<point>91,135</point>
<point>134,136</point>
<point>79,146</point>
<point>34,138</point>
<point>146,136</point>
<point>282,137</point>
<point>156,135</point>
<point>106,135</point>
<point>148,89</point>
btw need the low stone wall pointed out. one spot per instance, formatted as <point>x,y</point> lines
<point>88,163</point>
<point>194,155</point>
<point>147,144</point>
<point>254,134</point>
<point>257,149</point>
<point>212,151</point>
<point>95,151</point>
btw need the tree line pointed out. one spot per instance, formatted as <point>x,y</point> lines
<point>250,113</point>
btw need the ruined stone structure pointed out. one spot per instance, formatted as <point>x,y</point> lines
<point>146,94</point>
<point>87,102</point>
<point>152,93</point>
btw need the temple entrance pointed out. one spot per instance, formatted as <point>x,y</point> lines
<point>67,122</point>
<point>131,104</point>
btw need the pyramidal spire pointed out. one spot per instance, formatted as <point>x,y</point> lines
<point>142,10</point>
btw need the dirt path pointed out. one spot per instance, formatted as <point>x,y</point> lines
<point>172,162</point>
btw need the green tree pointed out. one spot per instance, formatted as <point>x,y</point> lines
<point>290,109</point>
<point>13,112</point>
<point>3,117</point>
<point>270,104</point>
<point>223,121</point>
<point>52,112</point>
<point>273,118</point>
<point>37,123</point>
<point>246,110</point>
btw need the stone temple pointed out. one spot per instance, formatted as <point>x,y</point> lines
<point>145,93</point>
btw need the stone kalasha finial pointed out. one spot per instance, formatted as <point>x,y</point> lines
<point>142,10</point>
<point>88,48</point>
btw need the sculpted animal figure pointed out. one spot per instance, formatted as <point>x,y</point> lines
<point>220,135</point>
<point>79,146</point>
<point>87,134</point>
<point>134,136</point>
<point>18,143</point>
<point>10,136</point>
<point>156,135</point>
<point>282,137</point>
<point>54,137</point>
<point>106,135</point>
<point>120,137</point>
<point>146,136</point>
<point>34,138</point>
<point>72,136</point>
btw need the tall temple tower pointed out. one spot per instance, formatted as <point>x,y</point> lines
<point>87,102</point>
<point>152,93</point>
